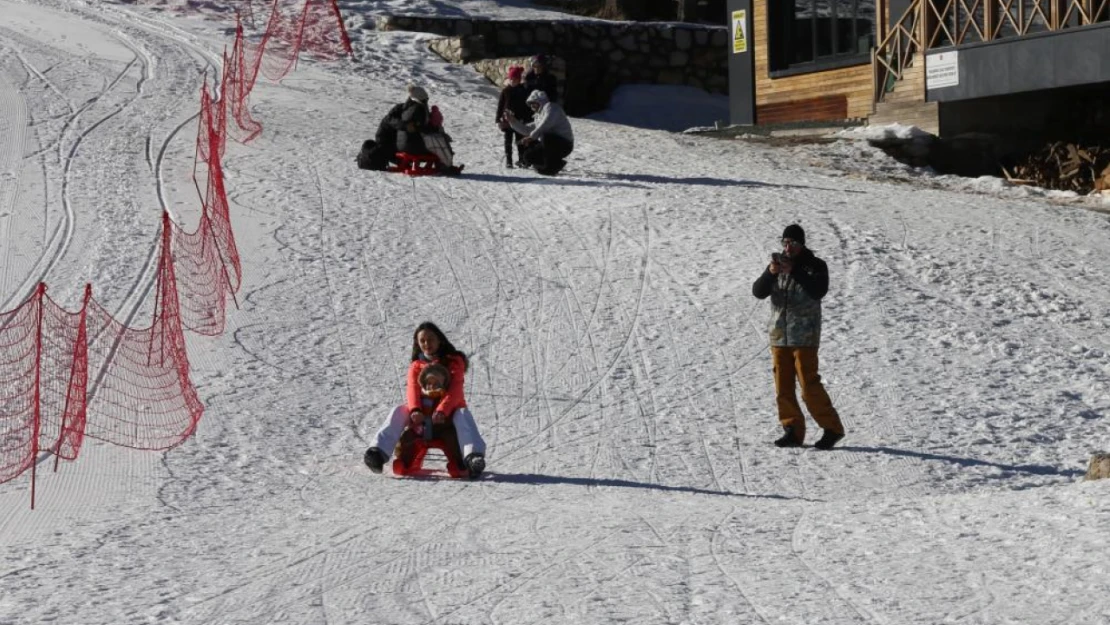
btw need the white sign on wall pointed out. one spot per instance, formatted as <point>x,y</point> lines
<point>942,69</point>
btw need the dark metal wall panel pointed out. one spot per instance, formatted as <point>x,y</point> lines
<point>1062,59</point>
<point>1034,64</point>
<point>741,70</point>
<point>1075,66</point>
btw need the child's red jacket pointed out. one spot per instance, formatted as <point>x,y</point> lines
<point>450,402</point>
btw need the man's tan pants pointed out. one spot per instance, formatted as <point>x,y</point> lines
<point>801,363</point>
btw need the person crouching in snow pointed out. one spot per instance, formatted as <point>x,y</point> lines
<point>430,348</point>
<point>513,98</point>
<point>549,139</point>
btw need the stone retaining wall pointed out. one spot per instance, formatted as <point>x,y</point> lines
<point>596,56</point>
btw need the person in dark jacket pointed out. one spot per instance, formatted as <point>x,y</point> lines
<point>378,152</point>
<point>399,131</point>
<point>513,98</point>
<point>796,280</point>
<point>541,78</point>
<point>413,122</point>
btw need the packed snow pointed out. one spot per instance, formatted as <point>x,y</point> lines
<point>619,364</point>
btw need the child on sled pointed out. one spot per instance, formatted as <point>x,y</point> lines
<point>434,407</point>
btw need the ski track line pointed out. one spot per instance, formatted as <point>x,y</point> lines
<point>887,402</point>
<point>714,474</point>
<point>569,298</point>
<point>864,614</point>
<point>719,535</point>
<point>687,385</point>
<point>1048,267</point>
<point>646,414</point>
<point>602,265</point>
<point>981,600</point>
<point>289,565</point>
<point>55,140</point>
<point>409,565</point>
<point>634,331</point>
<point>15,117</point>
<point>598,380</point>
<point>541,364</point>
<point>729,365</point>
<point>377,297</point>
<point>35,275</point>
<point>536,574</point>
<point>329,289</point>
<point>460,289</point>
<point>502,299</point>
<point>147,273</point>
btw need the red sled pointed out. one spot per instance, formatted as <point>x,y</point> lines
<point>416,164</point>
<point>409,459</point>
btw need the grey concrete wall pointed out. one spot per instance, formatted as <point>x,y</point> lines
<point>598,56</point>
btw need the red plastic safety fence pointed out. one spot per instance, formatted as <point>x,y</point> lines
<point>140,393</point>
<point>208,263</point>
<point>316,27</point>
<point>65,376</point>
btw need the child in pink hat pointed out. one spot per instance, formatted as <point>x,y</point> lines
<point>513,97</point>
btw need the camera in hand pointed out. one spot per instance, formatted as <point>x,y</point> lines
<point>778,258</point>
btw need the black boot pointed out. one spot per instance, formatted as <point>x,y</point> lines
<point>828,440</point>
<point>375,459</point>
<point>788,439</point>
<point>509,161</point>
<point>475,464</point>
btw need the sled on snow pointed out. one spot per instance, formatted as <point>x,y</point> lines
<point>422,165</point>
<point>408,458</point>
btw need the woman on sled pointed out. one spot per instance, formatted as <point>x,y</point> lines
<point>434,409</point>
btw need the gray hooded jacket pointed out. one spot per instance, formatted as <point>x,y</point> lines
<point>550,119</point>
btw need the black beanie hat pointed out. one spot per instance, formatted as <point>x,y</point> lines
<point>795,232</point>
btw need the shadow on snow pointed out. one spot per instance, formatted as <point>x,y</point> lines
<point>534,478</point>
<point>1031,469</point>
<point>638,181</point>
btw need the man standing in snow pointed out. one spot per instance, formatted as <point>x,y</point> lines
<point>796,280</point>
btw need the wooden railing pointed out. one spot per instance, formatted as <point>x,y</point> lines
<point>894,53</point>
<point>958,22</point>
<point>929,24</point>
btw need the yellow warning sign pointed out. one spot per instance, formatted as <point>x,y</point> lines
<point>739,32</point>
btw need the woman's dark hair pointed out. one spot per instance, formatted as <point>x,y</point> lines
<point>445,346</point>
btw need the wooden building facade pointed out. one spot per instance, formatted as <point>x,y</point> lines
<point>920,62</point>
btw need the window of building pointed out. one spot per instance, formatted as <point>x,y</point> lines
<point>819,34</point>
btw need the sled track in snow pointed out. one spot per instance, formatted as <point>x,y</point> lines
<point>16,119</point>
<point>61,237</point>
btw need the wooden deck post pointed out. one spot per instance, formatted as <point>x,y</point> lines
<point>990,19</point>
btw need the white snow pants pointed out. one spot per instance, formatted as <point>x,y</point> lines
<point>470,440</point>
